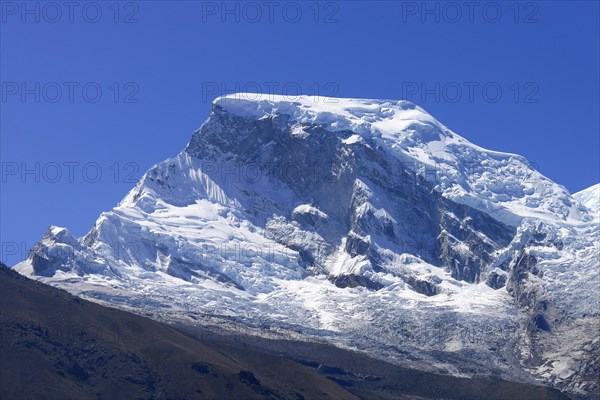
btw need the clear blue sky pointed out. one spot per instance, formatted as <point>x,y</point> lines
<point>171,58</point>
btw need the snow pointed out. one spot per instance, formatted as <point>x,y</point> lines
<point>590,198</point>
<point>501,183</point>
<point>309,209</point>
<point>353,139</point>
<point>188,244</point>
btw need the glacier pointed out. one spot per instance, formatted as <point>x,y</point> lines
<point>367,224</point>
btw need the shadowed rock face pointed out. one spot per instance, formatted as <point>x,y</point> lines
<point>370,199</point>
<point>496,280</point>
<point>344,281</point>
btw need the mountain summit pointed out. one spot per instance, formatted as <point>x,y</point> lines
<point>364,223</point>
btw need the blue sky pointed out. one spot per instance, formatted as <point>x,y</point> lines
<point>92,96</point>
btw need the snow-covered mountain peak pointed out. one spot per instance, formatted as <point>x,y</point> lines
<point>502,183</point>
<point>394,120</point>
<point>353,216</point>
<point>362,116</point>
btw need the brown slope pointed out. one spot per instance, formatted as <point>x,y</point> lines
<point>57,346</point>
<point>374,379</point>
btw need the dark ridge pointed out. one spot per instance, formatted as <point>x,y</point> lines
<point>57,346</point>
<point>371,378</point>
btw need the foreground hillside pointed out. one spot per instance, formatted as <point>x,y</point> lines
<point>57,346</point>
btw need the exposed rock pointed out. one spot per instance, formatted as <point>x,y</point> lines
<point>345,281</point>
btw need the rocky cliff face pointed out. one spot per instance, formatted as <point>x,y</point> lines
<point>366,222</point>
<point>351,193</point>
